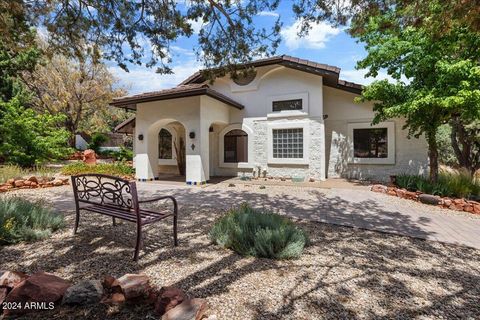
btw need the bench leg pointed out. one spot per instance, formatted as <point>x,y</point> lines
<point>114,222</point>
<point>175,239</point>
<point>77,220</point>
<point>138,245</point>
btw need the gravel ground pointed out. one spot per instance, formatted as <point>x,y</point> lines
<point>345,273</point>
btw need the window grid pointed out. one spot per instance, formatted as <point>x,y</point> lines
<point>288,143</point>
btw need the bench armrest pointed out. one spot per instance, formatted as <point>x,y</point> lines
<point>175,206</point>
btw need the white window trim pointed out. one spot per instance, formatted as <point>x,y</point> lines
<point>221,147</point>
<point>390,141</point>
<point>288,113</point>
<point>173,161</point>
<point>305,125</point>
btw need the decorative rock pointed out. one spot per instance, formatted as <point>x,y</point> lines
<point>134,285</point>
<point>10,279</point>
<point>401,193</point>
<point>168,298</point>
<point>3,295</point>
<point>84,292</point>
<point>379,188</point>
<point>11,181</point>
<point>89,157</point>
<point>476,208</point>
<point>19,183</point>
<point>114,299</point>
<point>57,182</point>
<point>411,195</point>
<point>429,199</point>
<point>4,188</point>
<point>193,309</point>
<point>109,283</point>
<point>40,287</point>
<point>32,179</point>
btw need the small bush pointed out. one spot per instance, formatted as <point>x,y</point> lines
<point>256,233</point>
<point>96,142</point>
<point>449,184</point>
<point>123,154</point>
<point>22,220</point>
<point>114,169</point>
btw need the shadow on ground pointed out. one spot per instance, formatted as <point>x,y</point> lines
<point>345,273</point>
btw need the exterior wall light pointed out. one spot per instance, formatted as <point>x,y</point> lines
<point>192,135</point>
<point>140,137</point>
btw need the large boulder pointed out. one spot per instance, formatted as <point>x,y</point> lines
<point>41,289</point>
<point>134,285</point>
<point>379,188</point>
<point>19,183</point>
<point>83,293</point>
<point>168,298</point>
<point>193,309</point>
<point>429,199</point>
<point>89,157</point>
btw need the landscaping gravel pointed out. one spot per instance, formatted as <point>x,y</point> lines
<point>345,273</point>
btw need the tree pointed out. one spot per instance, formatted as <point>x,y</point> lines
<point>78,89</point>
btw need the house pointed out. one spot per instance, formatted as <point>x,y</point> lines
<point>288,118</point>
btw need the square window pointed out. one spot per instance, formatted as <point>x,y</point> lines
<point>291,146</point>
<point>370,143</point>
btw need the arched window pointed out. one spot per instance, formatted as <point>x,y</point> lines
<point>164,144</point>
<point>235,146</point>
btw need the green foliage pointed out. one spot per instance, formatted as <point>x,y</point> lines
<point>256,233</point>
<point>449,184</point>
<point>446,155</point>
<point>124,154</point>
<point>97,140</point>
<point>442,67</point>
<point>29,138</point>
<point>114,169</point>
<point>22,220</point>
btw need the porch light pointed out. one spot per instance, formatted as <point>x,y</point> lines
<point>140,137</point>
<point>192,135</point>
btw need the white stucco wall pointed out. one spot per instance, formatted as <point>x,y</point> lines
<point>410,154</point>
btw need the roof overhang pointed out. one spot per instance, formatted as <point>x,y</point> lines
<point>182,91</point>
<point>329,73</point>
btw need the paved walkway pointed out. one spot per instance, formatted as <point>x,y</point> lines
<point>354,207</point>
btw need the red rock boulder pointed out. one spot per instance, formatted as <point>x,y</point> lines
<point>168,298</point>
<point>134,285</point>
<point>10,279</point>
<point>187,310</point>
<point>89,157</point>
<point>42,290</point>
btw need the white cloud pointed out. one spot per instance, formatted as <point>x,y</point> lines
<point>197,25</point>
<point>141,79</point>
<point>318,35</point>
<point>268,14</point>
<point>358,76</point>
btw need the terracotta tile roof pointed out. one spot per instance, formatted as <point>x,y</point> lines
<point>187,90</point>
<point>330,73</point>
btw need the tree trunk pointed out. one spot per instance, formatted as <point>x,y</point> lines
<point>466,146</point>
<point>433,155</point>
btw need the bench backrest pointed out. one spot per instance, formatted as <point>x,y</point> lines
<point>106,190</point>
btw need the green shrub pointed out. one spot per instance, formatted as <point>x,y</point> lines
<point>449,184</point>
<point>22,220</point>
<point>123,154</point>
<point>256,233</point>
<point>114,169</point>
<point>96,142</point>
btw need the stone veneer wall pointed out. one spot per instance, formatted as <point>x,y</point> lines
<point>315,168</point>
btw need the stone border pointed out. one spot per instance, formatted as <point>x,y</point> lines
<point>458,204</point>
<point>33,182</point>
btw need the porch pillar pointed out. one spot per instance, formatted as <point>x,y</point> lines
<point>197,153</point>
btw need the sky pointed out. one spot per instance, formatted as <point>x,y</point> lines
<point>324,44</point>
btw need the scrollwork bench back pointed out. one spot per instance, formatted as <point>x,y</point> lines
<point>118,198</point>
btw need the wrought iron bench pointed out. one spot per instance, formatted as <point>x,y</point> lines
<point>116,197</point>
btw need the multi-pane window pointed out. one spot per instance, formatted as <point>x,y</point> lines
<point>164,144</point>
<point>287,143</point>
<point>235,146</point>
<point>284,105</point>
<point>370,143</point>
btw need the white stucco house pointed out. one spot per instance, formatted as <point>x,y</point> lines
<point>291,118</point>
